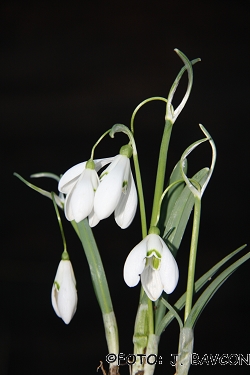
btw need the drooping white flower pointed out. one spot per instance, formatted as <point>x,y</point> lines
<point>79,184</point>
<point>63,293</point>
<point>116,192</point>
<point>153,262</point>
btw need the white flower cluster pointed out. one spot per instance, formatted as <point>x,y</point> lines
<point>97,197</point>
<point>88,195</point>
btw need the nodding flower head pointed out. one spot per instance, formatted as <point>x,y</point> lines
<point>116,192</point>
<point>79,184</point>
<point>87,195</point>
<point>153,263</point>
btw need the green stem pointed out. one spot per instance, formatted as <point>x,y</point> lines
<point>122,128</point>
<point>99,140</point>
<point>162,197</point>
<point>192,256</point>
<point>59,222</point>
<point>140,105</point>
<point>137,168</point>
<point>140,195</point>
<point>160,176</point>
<point>96,267</point>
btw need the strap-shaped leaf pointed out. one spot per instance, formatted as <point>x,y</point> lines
<point>178,306</point>
<point>59,200</point>
<point>180,214</point>
<point>172,195</point>
<point>211,290</point>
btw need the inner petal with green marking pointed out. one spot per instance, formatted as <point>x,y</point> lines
<point>153,259</point>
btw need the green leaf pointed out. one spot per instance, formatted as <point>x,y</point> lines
<point>211,290</point>
<point>172,114</point>
<point>199,192</point>
<point>173,311</point>
<point>172,195</point>
<point>197,286</point>
<point>47,194</point>
<point>180,214</point>
<point>95,265</point>
<point>46,174</point>
<point>99,282</point>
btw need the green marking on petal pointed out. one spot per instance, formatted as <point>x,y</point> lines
<point>103,174</point>
<point>154,253</point>
<point>56,285</point>
<point>153,262</point>
<point>125,183</point>
<point>156,263</point>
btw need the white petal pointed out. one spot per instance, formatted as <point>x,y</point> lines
<point>67,300</point>
<point>126,209</point>
<point>99,163</point>
<point>109,191</point>
<point>111,166</point>
<point>135,263</point>
<point>126,176</point>
<point>70,177</point>
<point>54,296</point>
<point>79,202</point>
<point>151,282</point>
<point>93,219</point>
<point>154,242</point>
<point>169,271</point>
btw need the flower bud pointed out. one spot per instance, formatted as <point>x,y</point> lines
<point>64,294</point>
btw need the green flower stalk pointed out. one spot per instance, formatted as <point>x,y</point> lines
<point>63,293</point>
<point>197,191</point>
<point>171,116</point>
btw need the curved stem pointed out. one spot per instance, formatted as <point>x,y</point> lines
<point>99,140</point>
<point>140,195</point>
<point>59,222</point>
<point>124,129</point>
<point>140,105</point>
<point>192,256</point>
<point>162,197</point>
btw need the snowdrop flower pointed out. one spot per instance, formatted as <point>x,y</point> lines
<point>152,261</point>
<point>64,294</point>
<point>117,191</point>
<point>79,184</point>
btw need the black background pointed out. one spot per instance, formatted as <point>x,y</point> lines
<point>69,71</point>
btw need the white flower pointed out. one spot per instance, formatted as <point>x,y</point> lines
<point>63,293</point>
<point>80,184</point>
<point>117,192</point>
<point>154,263</point>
